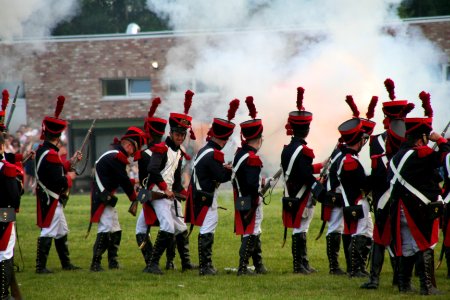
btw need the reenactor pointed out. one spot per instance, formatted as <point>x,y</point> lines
<point>208,172</point>
<point>246,185</point>
<point>446,217</point>
<point>416,200</point>
<point>300,185</point>
<point>164,179</point>
<point>110,172</point>
<point>54,180</point>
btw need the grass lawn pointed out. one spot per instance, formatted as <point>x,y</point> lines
<point>131,283</point>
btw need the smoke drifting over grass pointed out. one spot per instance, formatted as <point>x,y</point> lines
<point>331,48</point>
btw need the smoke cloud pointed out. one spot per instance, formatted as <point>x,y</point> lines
<point>267,48</point>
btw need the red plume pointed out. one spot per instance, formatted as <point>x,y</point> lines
<point>371,109</point>
<point>234,105</point>
<point>5,99</point>
<point>251,107</point>
<point>155,102</point>
<point>425,97</point>
<point>390,87</point>
<point>351,103</point>
<point>59,106</point>
<point>188,101</point>
<point>300,92</point>
<point>406,110</point>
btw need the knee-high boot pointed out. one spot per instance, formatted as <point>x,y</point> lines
<point>100,246</point>
<point>405,268</point>
<point>394,265</point>
<point>62,247</point>
<point>346,241</point>
<point>297,254</point>
<point>170,255</point>
<point>425,270</point>
<point>43,249</point>
<point>304,253</point>
<point>377,260</point>
<point>257,257</point>
<point>6,272</point>
<point>246,250</point>
<point>162,241</point>
<point>447,258</point>
<point>183,249</point>
<point>145,244</point>
<point>357,245</point>
<point>205,243</point>
<point>113,248</point>
<point>333,246</point>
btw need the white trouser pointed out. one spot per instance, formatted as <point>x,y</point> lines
<point>308,214</point>
<point>109,221</point>
<point>167,216</point>
<point>258,219</point>
<point>9,251</point>
<point>141,226</point>
<point>409,245</point>
<point>58,228</point>
<point>365,224</point>
<point>336,223</point>
<point>211,218</point>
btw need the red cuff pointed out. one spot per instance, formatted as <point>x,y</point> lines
<point>133,181</point>
<point>69,181</point>
<point>441,140</point>
<point>184,192</point>
<point>66,166</point>
<point>162,185</point>
<point>317,167</point>
<point>133,196</point>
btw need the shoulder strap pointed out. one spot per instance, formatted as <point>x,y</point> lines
<point>97,178</point>
<point>196,161</point>
<point>288,172</point>
<point>43,187</point>
<point>339,154</point>
<point>383,146</point>
<point>236,168</point>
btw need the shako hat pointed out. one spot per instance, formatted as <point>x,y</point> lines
<point>298,120</point>
<point>136,136</point>
<point>419,126</point>
<point>182,122</point>
<point>5,100</point>
<point>253,128</point>
<point>54,125</point>
<point>351,131</point>
<point>367,124</point>
<point>392,108</point>
<point>221,128</point>
<point>153,125</point>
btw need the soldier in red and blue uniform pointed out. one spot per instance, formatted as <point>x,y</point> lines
<point>300,184</point>
<point>54,180</point>
<point>110,173</point>
<point>208,173</point>
<point>446,217</point>
<point>415,198</point>
<point>247,181</point>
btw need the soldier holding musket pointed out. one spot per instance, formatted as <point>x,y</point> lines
<point>300,184</point>
<point>208,173</point>
<point>110,172</point>
<point>416,200</point>
<point>54,179</point>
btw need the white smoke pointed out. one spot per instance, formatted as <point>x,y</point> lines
<point>331,48</point>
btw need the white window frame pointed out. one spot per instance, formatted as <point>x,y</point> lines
<point>128,95</point>
<point>193,83</point>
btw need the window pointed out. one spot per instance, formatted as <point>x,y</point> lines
<point>126,88</point>
<point>180,85</point>
<point>446,71</point>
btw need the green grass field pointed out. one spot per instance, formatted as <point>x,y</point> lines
<point>131,283</point>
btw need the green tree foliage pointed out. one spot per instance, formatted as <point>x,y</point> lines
<point>110,16</point>
<point>424,8</point>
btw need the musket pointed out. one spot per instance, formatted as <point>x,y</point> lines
<point>13,106</point>
<point>83,145</point>
<point>442,134</point>
<point>266,186</point>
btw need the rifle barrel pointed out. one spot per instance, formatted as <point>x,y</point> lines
<point>13,106</point>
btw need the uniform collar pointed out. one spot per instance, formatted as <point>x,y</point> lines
<point>298,140</point>
<point>51,146</point>
<point>247,147</point>
<point>171,144</point>
<point>214,145</point>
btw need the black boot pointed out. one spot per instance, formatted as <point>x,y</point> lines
<point>333,246</point>
<point>113,248</point>
<point>299,267</point>
<point>205,243</point>
<point>346,241</point>
<point>425,270</point>
<point>43,249</point>
<point>146,247</point>
<point>62,247</point>
<point>304,253</point>
<point>246,250</point>
<point>170,255</point>
<point>182,241</point>
<point>365,251</point>
<point>377,260</point>
<point>357,245</point>
<point>394,265</point>
<point>405,268</point>
<point>100,246</point>
<point>257,257</point>
<point>163,239</point>
<point>447,258</point>
<point>6,272</point>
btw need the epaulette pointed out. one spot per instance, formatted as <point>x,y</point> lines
<point>254,160</point>
<point>350,163</point>
<point>9,170</point>
<point>53,157</point>
<point>159,148</point>
<point>122,158</point>
<point>137,155</point>
<point>219,156</point>
<point>308,152</point>
<point>423,151</point>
